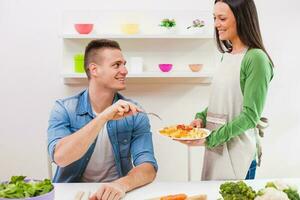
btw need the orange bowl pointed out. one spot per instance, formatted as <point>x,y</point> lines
<point>196,67</point>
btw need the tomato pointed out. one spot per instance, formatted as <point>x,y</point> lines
<point>181,126</point>
<point>188,128</point>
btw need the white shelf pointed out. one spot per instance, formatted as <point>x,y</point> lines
<point>137,36</point>
<point>189,77</point>
<point>150,75</point>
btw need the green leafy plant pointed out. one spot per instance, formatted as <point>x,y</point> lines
<point>197,23</point>
<point>168,23</point>
<point>17,187</point>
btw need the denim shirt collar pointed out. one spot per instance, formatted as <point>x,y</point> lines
<point>84,105</point>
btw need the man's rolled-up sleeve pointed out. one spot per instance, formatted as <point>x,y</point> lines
<point>142,145</point>
<point>59,126</point>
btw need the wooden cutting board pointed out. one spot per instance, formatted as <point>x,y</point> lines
<point>194,197</point>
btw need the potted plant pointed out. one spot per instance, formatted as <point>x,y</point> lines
<point>197,26</point>
<point>168,25</point>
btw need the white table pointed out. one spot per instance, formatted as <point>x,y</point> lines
<point>67,191</point>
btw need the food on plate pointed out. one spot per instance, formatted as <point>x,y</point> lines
<point>174,197</point>
<point>184,131</point>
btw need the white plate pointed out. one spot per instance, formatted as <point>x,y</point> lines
<point>191,139</point>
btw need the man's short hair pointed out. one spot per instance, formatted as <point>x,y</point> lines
<point>91,51</point>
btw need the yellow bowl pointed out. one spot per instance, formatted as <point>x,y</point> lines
<point>130,28</point>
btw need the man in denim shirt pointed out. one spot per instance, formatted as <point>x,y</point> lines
<point>98,135</point>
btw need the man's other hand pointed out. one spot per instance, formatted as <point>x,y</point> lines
<point>109,191</point>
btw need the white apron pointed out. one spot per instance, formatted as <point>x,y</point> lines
<point>232,159</point>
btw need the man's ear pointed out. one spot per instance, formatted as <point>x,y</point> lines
<point>93,69</point>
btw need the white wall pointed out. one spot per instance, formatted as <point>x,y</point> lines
<point>281,35</point>
<point>29,74</point>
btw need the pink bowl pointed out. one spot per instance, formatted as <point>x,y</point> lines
<point>165,67</point>
<point>84,28</point>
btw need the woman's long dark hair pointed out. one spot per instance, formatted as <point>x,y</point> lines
<point>247,25</point>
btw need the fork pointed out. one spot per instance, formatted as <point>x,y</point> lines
<point>151,113</point>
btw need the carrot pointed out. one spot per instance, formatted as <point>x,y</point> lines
<point>174,197</point>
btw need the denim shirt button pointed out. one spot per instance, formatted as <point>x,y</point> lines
<point>125,140</point>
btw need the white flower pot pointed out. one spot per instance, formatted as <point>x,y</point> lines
<point>196,31</point>
<point>165,30</point>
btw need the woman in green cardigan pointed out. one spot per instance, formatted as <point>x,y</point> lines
<point>238,93</point>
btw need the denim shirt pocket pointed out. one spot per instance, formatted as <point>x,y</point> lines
<point>76,127</point>
<point>79,122</point>
<point>124,139</point>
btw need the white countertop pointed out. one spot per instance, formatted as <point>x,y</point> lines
<point>67,191</point>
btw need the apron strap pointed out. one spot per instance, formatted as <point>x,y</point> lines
<point>262,124</point>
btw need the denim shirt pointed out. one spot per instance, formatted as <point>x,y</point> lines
<point>130,137</point>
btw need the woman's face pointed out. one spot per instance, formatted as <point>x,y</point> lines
<point>225,21</point>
